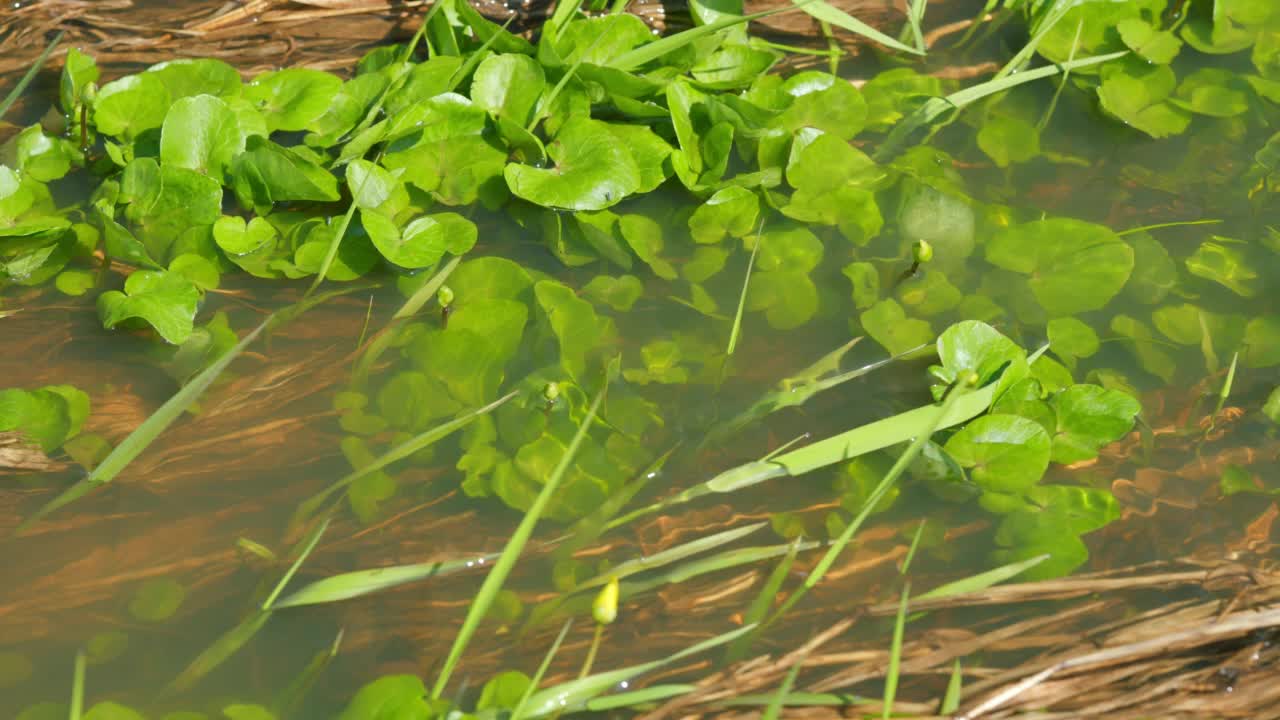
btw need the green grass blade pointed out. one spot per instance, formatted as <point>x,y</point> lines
<point>515,545</point>
<point>518,711</point>
<point>309,506</point>
<point>940,414</point>
<point>1226,386</point>
<point>911,552</point>
<point>955,686</point>
<point>933,109</point>
<point>742,299</point>
<point>237,637</point>
<point>309,543</point>
<point>218,652</point>
<point>564,12</point>
<point>774,709</point>
<point>983,580</point>
<point>895,655</point>
<point>146,433</point>
<point>292,695</point>
<point>809,699</point>
<point>77,679</point>
<point>573,695</point>
<point>359,583</point>
<point>30,75</point>
<point>760,605</point>
<point>634,698</point>
<point>915,21</point>
<point>427,292</point>
<point>830,14</point>
<point>670,555</point>
<point>652,51</point>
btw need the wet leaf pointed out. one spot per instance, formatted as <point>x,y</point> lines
<point>157,600</point>
<point>823,101</point>
<point>888,324</point>
<point>1074,266</point>
<point>391,697</point>
<point>266,173</point>
<point>1154,45</point>
<point>1225,262</point>
<point>423,241</point>
<point>201,133</point>
<point>731,211</point>
<point>186,77</point>
<point>1003,453</point>
<point>508,86</point>
<point>292,98</point>
<point>42,415</point>
<point>166,301</point>
<point>130,105</point>
<point>591,172</point>
<point>1071,338</point>
<point>1138,95</point>
<point>1090,417</point>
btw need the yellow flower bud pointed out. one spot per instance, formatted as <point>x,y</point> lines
<point>605,607</point>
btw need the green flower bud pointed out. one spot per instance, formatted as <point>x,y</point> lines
<point>444,296</point>
<point>922,252</point>
<point>551,392</point>
<point>605,607</point>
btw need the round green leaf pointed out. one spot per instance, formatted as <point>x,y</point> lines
<point>290,99</point>
<point>197,76</point>
<point>1003,453</point>
<point>731,211</point>
<point>1008,140</point>
<point>1089,417</point>
<point>1074,266</point>
<point>888,324</point>
<point>591,171</point>
<point>167,301</point>
<point>423,241</point>
<point>127,106</point>
<point>508,86</point>
<point>201,133</point>
<point>1069,337</point>
<point>157,600</point>
<point>235,237</point>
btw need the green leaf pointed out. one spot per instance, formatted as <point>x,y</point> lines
<point>127,106</point>
<point>508,86</point>
<point>267,173</point>
<point>1226,262</point>
<point>201,133</point>
<point>866,283</point>
<point>157,600</point>
<point>827,13</point>
<point>888,324</point>
<point>449,156</point>
<point>1137,94</point>
<point>1090,417</point>
<point>1214,92</point>
<point>1008,140</point>
<point>40,156</point>
<point>199,76</point>
<point>292,98</point>
<point>1003,453</point>
<point>107,710</point>
<point>1071,338</point>
<point>1154,272</point>
<point>1152,358</point>
<point>619,293</point>
<point>391,697</point>
<point>42,415</point>
<point>1271,408</point>
<point>942,219</point>
<point>730,211</point>
<point>423,241</point>
<point>591,172</point>
<point>235,238</point>
<point>574,323</point>
<point>825,102</point>
<point>166,301</point>
<point>1075,266</point>
<point>1155,46</point>
<point>424,81</point>
<point>78,72</point>
<point>1262,342</point>
<point>166,202</point>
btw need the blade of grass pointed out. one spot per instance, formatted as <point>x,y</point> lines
<point>518,711</point>
<point>742,298</point>
<point>573,695</point>
<point>565,10</point>
<point>759,606</point>
<point>1160,226</point>
<point>1062,82</point>
<point>145,434</point>
<point>30,75</point>
<point>359,583</point>
<point>939,415</point>
<point>652,51</point>
<point>895,655</point>
<point>809,699</point>
<point>237,637</point>
<point>669,556</point>
<point>929,113</point>
<point>830,14</point>
<point>774,709</point>
<point>288,700</point>
<point>493,582</point>
<point>915,22</point>
<point>955,686</point>
<point>982,580</point>
<point>634,698</point>
<point>911,552</point>
<point>1226,387</point>
<point>309,506</point>
<point>77,679</point>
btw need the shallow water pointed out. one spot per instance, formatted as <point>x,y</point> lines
<point>269,435</point>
